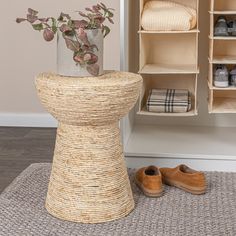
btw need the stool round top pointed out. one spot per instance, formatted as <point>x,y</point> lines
<point>112,78</point>
<point>89,100</point>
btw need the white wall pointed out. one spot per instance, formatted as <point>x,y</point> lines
<point>23,54</point>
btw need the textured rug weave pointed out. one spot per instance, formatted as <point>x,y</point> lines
<point>22,210</point>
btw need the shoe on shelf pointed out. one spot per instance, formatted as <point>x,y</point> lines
<point>233,76</point>
<point>183,177</point>
<point>221,76</point>
<point>149,180</point>
<point>232,27</point>
<point>221,27</point>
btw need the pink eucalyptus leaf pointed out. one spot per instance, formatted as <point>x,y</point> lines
<point>96,8</point>
<point>98,24</point>
<point>32,12</point>
<point>94,59</point>
<point>93,69</point>
<point>82,35</point>
<point>32,18</point>
<point>19,20</point>
<point>78,59</point>
<point>93,46</point>
<point>100,19</point>
<point>72,45</point>
<point>82,14</point>
<point>85,48</point>
<point>65,28</point>
<point>87,57</point>
<point>80,24</point>
<point>88,9</point>
<point>99,7</point>
<point>48,35</point>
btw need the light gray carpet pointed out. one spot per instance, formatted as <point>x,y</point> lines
<point>176,213</point>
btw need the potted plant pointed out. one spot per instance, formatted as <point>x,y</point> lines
<point>79,42</point>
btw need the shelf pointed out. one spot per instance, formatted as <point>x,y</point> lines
<point>159,53</point>
<point>144,112</point>
<point>171,81</point>
<point>223,60</point>
<point>223,51</point>
<point>168,69</point>
<point>230,88</point>
<point>186,142</point>
<point>222,12</point>
<point>222,38</point>
<point>224,105</point>
<point>169,32</point>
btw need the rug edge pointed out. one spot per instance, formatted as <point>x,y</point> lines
<point>24,174</point>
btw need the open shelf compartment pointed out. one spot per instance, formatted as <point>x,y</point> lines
<point>222,101</point>
<point>223,5</point>
<point>223,51</point>
<point>224,60</point>
<point>188,82</point>
<point>160,54</point>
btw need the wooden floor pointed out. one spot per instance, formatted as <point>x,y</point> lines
<point>20,147</point>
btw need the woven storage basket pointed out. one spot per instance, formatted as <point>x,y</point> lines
<point>89,181</point>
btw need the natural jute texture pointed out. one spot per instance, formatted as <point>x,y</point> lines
<point>176,213</point>
<point>89,181</point>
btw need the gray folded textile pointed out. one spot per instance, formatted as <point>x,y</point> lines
<point>169,101</point>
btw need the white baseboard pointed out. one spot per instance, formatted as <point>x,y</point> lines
<point>27,120</point>
<point>198,164</point>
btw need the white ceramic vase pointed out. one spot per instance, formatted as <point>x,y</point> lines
<point>66,66</point>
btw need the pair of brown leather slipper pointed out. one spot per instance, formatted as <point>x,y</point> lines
<point>150,179</point>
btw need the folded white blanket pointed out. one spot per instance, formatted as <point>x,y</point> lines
<point>168,16</point>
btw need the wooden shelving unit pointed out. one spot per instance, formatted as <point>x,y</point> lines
<point>206,142</point>
<point>222,51</point>
<point>169,59</point>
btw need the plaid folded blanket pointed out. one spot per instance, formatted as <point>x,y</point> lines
<point>169,101</point>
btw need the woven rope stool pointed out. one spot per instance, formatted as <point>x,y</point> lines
<point>89,181</point>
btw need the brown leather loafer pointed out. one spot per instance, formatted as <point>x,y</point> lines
<point>184,178</point>
<point>149,180</point>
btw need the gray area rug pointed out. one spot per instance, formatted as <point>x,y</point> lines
<point>22,210</point>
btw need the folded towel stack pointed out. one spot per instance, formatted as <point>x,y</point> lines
<point>169,101</point>
<point>168,16</point>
